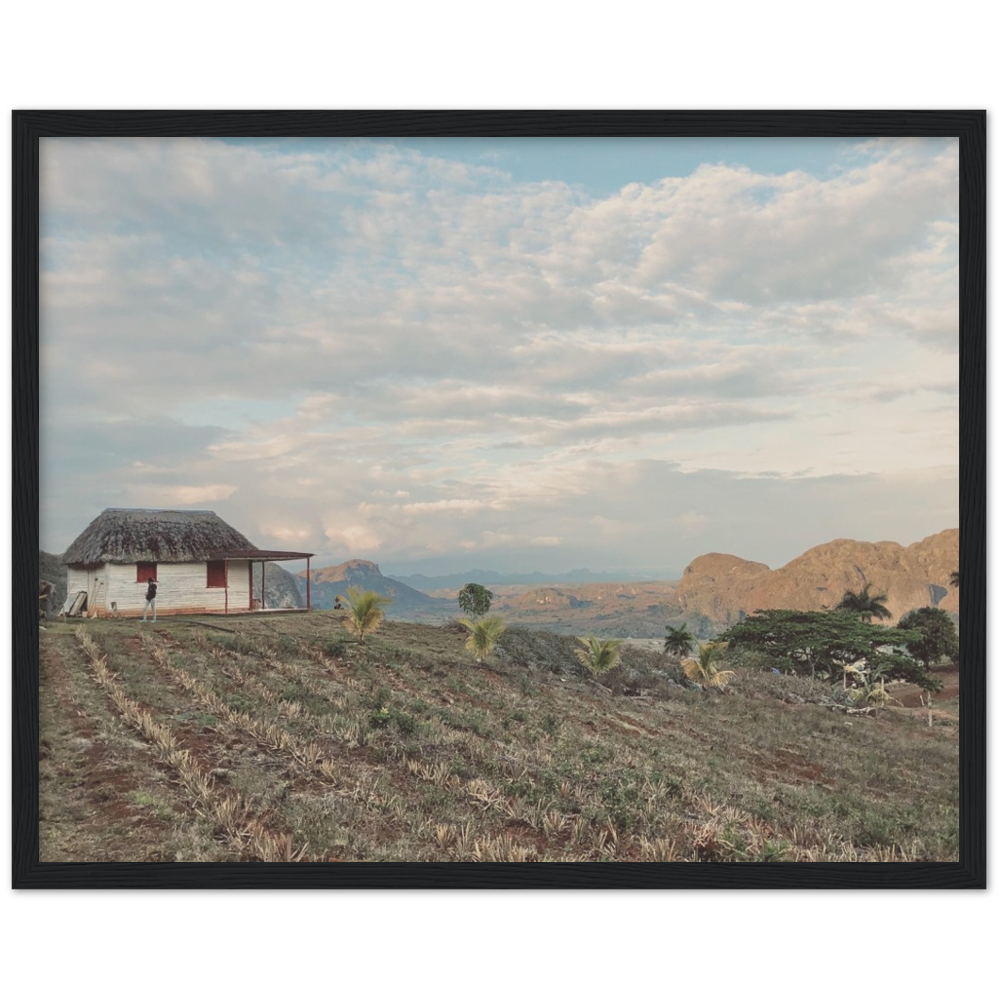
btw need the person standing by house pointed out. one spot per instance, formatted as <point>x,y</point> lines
<point>150,599</point>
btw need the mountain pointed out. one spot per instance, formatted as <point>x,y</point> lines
<point>724,588</point>
<point>330,581</point>
<point>453,582</point>
<point>280,587</point>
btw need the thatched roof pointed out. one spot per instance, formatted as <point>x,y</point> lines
<point>168,536</point>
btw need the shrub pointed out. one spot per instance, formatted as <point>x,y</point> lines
<point>704,669</point>
<point>599,655</point>
<point>365,611</point>
<point>483,635</point>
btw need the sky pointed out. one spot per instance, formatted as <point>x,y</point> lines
<point>509,354</point>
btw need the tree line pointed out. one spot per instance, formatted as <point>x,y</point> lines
<point>840,642</point>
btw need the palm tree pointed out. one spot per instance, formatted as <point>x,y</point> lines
<point>954,578</point>
<point>600,655</point>
<point>483,635</point>
<point>865,604</point>
<point>365,611</point>
<point>702,669</point>
<point>679,640</point>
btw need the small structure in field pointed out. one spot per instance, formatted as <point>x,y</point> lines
<point>201,565</point>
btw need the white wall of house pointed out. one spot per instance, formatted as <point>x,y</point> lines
<point>181,588</point>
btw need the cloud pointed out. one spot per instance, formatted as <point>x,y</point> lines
<point>353,346</point>
<point>178,495</point>
<point>693,523</point>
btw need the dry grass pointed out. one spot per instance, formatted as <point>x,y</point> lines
<point>284,739</point>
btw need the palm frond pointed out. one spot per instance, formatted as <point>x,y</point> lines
<point>720,678</point>
<point>702,669</point>
<point>692,669</point>
<point>483,635</point>
<point>599,655</point>
<point>366,610</point>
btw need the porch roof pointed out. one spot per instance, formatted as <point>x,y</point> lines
<point>258,555</point>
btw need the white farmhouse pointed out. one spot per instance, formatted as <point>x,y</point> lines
<point>200,564</point>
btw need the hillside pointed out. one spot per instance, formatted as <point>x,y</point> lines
<point>330,581</point>
<point>637,610</point>
<point>279,737</point>
<point>725,587</point>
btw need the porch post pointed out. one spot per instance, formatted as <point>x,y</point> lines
<point>263,598</point>
<point>225,570</point>
<point>308,592</point>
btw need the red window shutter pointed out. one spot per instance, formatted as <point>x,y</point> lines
<point>217,573</point>
<point>143,571</point>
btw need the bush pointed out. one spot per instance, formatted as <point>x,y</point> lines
<point>599,656</point>
<point>755,661</point>
<point>386,718</point>
<point>335,646</point>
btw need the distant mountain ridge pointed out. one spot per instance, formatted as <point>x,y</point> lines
<point>329,582</point>
<point>455,581</point>
<point>725,587</point>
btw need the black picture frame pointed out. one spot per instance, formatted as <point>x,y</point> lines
<point>970,129</point>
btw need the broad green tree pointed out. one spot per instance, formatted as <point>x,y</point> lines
<point>600,655</point>
<point>474,599</point>
<point>483,635</point>
<point>679,640</point>
<point>935,638</point>
<point>365,611</point>
<point>865,604</point>
<point>818,640</point>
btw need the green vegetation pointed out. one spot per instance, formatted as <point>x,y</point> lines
<point>599,655</point>
<point>703,668</point>
<point>820,641</point>
<point>864,604</point>
<point>483,635</point>
<point>826,642</point>
<point>954,578</point>
<point>936,638</point>
<point>365,611</point>
<point>474,599</point>
<point>679,640</point>
<point>278,737</point>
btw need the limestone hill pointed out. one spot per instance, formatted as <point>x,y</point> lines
<point>331,581</point>
<point>725,587</point>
